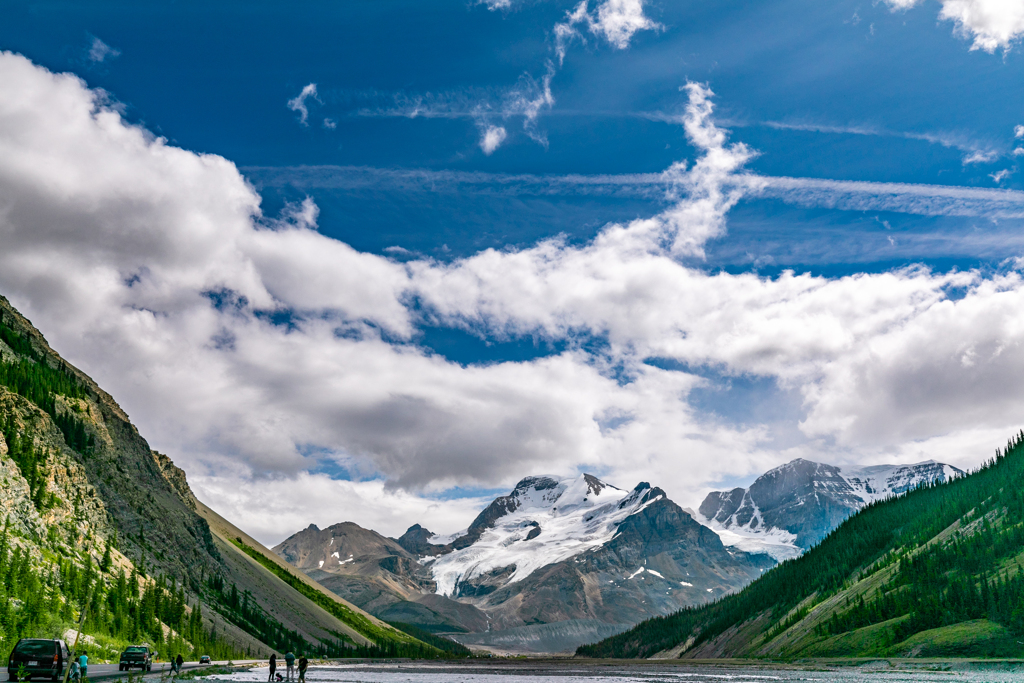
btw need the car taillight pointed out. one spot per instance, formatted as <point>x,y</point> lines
<point>55,659</point>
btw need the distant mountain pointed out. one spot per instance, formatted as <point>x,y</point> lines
<point>551,565</point>
<point>89,506</point>
<point>933,573</point>
<point>792,507</point>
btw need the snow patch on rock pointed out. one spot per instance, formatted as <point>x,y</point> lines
<point>576,515</point>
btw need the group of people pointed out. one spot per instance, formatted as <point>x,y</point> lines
<point>289,660</point>
<point>79,667</point>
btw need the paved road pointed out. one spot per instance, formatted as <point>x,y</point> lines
<point>108,671</point>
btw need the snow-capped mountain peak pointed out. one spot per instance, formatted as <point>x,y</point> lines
<point>791,507</point>
<point>542,521</point>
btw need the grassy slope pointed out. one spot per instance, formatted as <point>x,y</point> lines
<point>325,608</point>
<point>787,612</point>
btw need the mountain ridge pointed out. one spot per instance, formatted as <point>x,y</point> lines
<point>789,508</point>
<point>84,493</point>
<point>933,571</point>
<point>576,552</point>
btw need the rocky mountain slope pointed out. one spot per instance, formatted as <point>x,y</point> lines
<point>551,565</point>
<point>935,571</point>
<point>83,492</point>
<point>792,507</point>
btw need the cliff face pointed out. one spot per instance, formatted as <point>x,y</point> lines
<point>118,485</point>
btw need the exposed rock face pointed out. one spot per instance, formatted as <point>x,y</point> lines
<point>792,507</point>
<point>578,556</point>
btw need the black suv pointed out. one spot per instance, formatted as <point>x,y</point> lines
<point>38,658</point>
<point>136,657</point>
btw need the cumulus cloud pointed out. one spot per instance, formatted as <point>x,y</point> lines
<point>99,51</point>
<point>617,21</point>
<point>328,501</point>
<point>491,138</point>
<point>991,24</point>
<point>298,103</point>
<point>255,349</point>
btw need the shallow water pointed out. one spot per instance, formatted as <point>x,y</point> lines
<point>526,672</point>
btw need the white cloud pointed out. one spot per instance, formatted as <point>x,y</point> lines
<point>298,103</point>
<point>980,157</point>
<point>617,21</point>
<point>974,151</point>
<point>491,138</point>
<point>100,51</point>
<point>1018,132</point>
<point>924,200</point>
<point>992,24</point>
<point>288,504</point>
<point>1000,176</point>
<point>330,124</point>
<point>254,349</point>
<point>846,195</point>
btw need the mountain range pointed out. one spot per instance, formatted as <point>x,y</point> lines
<point>551,565</point>
<point>560,562</point>
<point>934,572</point>
<point>790,508</point>
<point>92,510</point>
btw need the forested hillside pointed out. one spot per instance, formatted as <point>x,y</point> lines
<point>95,522</point>
<point>936,571</point>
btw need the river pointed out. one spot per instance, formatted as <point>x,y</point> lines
<point>518,671</point>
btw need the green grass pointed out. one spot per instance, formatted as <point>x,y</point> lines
<point>357,621</point>
<point>869,641</point>
<point>978,638</point>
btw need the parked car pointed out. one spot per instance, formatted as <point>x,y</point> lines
<point>205,659</point>
<point>38,658</point>
<point>136,657</point>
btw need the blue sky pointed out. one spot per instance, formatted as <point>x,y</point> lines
<point>457,200</point>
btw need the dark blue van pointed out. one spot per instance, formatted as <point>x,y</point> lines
<point>38,658</point>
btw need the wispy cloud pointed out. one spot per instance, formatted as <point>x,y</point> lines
<point>100,52</point>
<point>844,195</point>
<point>298,103</point>
<point>974,152</point>
<point>924,200</point>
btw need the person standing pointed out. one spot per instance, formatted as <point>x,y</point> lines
<point>273,666</point>
<point>83,663</point>
<point>178,662</point>
<point>303,663</point>
<point>289,660</point>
